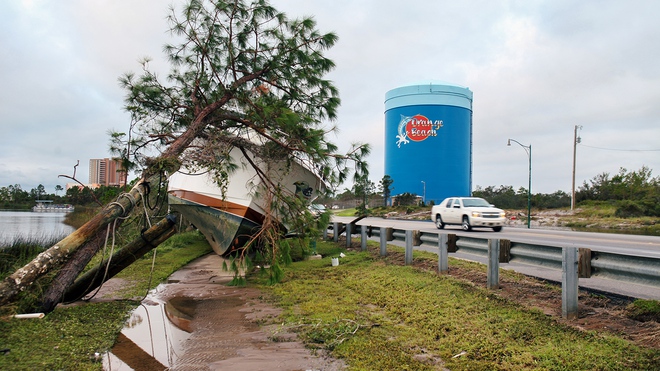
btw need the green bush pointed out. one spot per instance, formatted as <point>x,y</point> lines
<point>652,206</point>
<point>629,209</point>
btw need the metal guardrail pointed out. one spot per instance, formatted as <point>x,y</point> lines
<point>625,268</point>
<point>546,256</point>
<point>584,262</point>
<point>476,246</point>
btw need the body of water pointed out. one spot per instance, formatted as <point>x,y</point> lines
<point>32,226</point>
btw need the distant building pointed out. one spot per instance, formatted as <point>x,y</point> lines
<point>107,172</point>
<point>81,186</point>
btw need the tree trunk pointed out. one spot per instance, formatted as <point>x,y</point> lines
<point>168,161</point>
<point>72,269</point>
<point>57,254</point>
<point>94,278</point>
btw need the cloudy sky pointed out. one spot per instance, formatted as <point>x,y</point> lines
<point>536,68</point>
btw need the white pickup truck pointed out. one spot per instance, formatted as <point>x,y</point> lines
<point>468,212</point>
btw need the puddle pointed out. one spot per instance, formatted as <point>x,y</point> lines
<point>153,336</point>
<point>227,333</point>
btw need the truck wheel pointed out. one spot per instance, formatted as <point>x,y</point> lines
<point>497,229</point>
<point>438,222</point>
<point>466,224</point>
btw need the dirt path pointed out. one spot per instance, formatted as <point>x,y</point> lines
<point>232,327</point>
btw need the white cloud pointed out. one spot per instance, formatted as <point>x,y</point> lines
<point>536,69</point>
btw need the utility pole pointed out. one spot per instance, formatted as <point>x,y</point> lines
<point>576,140</point>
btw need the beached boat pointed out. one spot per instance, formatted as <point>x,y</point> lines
<point>229,222</point>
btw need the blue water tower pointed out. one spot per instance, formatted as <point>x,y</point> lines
<point>428,140</point>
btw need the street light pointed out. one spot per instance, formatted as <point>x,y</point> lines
<point>424,194</point>
<point>528,149</point>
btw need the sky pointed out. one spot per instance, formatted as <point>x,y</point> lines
<point>536,69</point>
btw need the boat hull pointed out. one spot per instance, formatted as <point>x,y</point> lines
<point>224,230</point>
<point>230,218</point>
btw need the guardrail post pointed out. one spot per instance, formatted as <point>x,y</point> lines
<point>493,280</point>
<point>569,283</point>
<point>383,242</point>
<point>363,237</point>
<point>409,247</point>
<point>390,234</point>
<point>505,251</point>
<point>584,263</point>
<point>443,255</point>
<point>348,235</point>
<point>451,243</point>
<point>335,231</point>
<point>417,238</point>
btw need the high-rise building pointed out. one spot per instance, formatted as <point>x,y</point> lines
<point>107,172</point>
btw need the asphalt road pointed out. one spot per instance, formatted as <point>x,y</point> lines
<point>637,245</point>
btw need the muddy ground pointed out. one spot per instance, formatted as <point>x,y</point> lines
<point>232,328</point>
<point>235,328</point>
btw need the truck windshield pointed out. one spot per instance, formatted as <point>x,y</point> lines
<point>475,202</point>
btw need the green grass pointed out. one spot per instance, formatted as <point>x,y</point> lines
<point>66,339</point>
<point>69,337</point>
<point>21,251</point>
<point>645,310</point>
<point>346,212</point>
<point>600,217</point>
<point>380,316</point>
<point>372,313</point>
<point>171,255</point>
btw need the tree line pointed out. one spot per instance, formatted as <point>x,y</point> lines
<point>634,193</point>
<point>14,197</point>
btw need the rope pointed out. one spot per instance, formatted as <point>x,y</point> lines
<point>133,203</point>
<point>82,297</point>
<point>151,273</point>
<point>158,193</point>
<point>123,210</point>
<point>107,266</point>
<point>131,199</point>
<point>144,205</point>
<point>153,260</point>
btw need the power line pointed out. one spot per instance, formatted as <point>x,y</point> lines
<point>622,150</point>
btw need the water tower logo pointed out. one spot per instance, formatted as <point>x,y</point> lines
<point>416,128</point>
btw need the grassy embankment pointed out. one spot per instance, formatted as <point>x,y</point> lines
<point>69,338</point>
<point>601,217</point>
<point>371,312</point>
<point>382,316</point>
